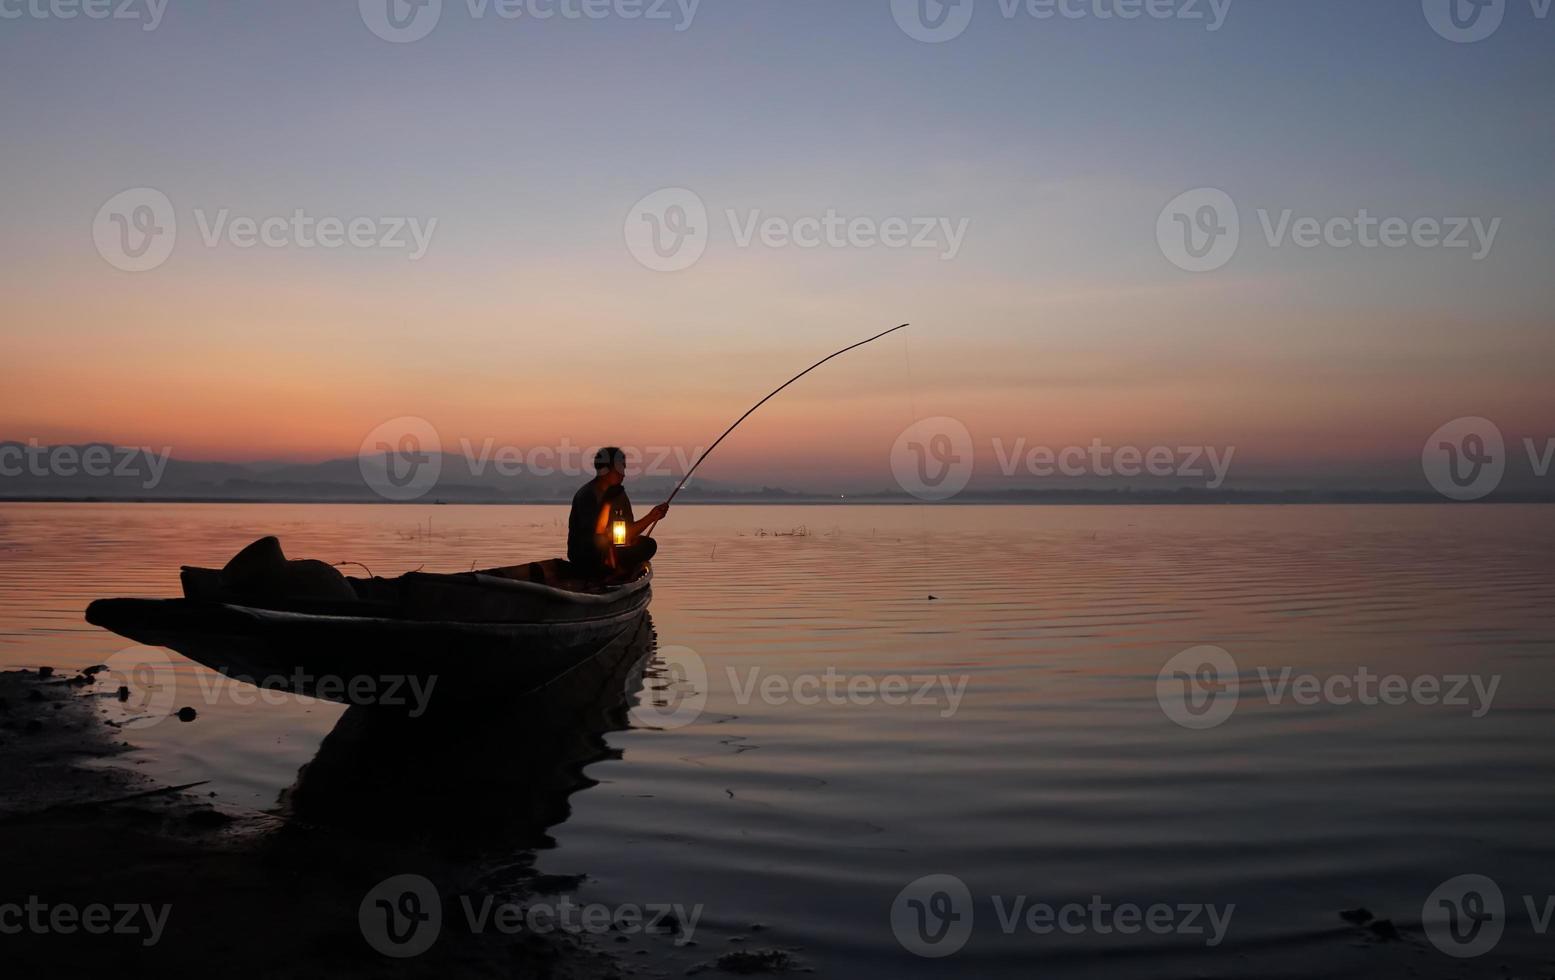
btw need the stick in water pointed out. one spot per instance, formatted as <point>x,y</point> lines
<point>708,451</point>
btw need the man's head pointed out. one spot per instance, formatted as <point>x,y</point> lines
<point>610,463</point>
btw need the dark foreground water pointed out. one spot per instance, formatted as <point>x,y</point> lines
<point>990,782</point>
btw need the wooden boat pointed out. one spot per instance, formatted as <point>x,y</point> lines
<point>494,633</point>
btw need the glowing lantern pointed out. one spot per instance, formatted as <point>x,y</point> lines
<point>618,532</point>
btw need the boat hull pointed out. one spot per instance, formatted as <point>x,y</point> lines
<point>355,659</point>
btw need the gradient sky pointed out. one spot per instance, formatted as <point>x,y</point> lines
<point>529,322</point>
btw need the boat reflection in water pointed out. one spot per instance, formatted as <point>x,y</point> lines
<point>465,779</point>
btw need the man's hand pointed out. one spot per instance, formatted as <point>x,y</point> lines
<point>658,513</point>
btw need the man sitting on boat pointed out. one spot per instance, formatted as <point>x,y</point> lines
<point>598,507</point>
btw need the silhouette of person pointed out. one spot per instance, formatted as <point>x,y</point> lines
<point>598,505</point>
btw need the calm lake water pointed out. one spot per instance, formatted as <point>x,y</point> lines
<point>1034,759</point>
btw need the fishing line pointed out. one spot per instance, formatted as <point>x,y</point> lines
<point>912,408</point>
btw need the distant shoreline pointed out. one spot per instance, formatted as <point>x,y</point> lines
<point>1055,499</point>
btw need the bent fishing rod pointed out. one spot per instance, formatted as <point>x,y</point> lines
<point>708,451</point>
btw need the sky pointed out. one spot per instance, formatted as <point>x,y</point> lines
<point>1009,190</point>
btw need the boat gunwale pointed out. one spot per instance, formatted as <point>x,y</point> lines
<point>292,618</point>
<point>483,579</point>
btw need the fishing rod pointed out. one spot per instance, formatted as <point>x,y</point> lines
<point>708,451</point>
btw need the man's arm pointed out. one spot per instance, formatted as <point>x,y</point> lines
<point>654,516</point>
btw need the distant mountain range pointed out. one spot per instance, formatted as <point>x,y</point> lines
<point>102,472</point>
<point>98,471</point>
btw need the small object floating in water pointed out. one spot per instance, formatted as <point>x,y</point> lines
<point>1357,917</point>
<point>124,692</point>
<point>187,713</point>
<point>933,598</point>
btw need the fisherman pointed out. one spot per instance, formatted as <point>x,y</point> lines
<point>597,506</point>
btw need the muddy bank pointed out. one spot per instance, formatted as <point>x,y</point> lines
<point>104,870</point>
